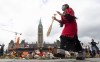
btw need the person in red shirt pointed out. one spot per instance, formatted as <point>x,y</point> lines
<point>69,35</point>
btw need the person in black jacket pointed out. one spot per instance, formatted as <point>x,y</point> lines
<point>95,49</point>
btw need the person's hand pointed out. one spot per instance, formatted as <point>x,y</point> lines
<point>54,18</point>
<point>59,13</point>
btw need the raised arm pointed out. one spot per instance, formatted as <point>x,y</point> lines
<point>59,13</point>
<point>98,42</point>
<point>89,43</point>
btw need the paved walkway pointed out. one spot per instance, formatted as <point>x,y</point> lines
<point>55,60</point>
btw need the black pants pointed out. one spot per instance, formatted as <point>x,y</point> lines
<point>70,44</point>
<point>96,48</point>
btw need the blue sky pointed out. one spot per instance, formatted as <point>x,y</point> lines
<point>23,16</point>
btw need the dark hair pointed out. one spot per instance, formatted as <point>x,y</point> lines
<point>70,18</point>
<point>66,5</point>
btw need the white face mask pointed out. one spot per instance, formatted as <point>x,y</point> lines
<point>64,7</point>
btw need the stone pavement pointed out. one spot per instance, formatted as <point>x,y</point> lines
<point>54,60</point>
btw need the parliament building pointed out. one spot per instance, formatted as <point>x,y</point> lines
<point>24,46</point>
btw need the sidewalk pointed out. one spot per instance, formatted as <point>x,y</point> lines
<point>55,60</point>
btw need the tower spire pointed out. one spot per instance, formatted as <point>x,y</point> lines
<point>40,34</point>
<point>40,21</point>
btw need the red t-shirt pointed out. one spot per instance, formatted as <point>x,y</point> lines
<point>70,29</point>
